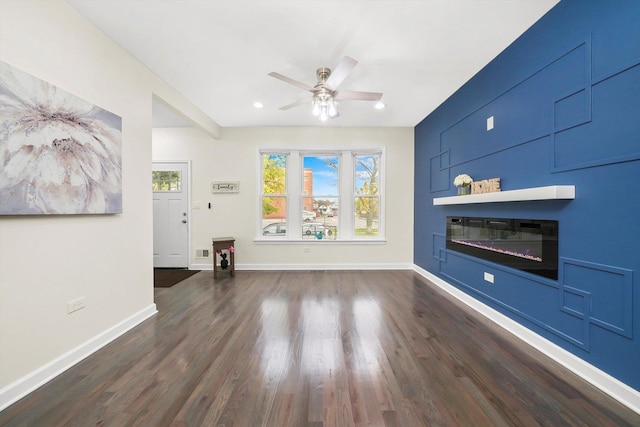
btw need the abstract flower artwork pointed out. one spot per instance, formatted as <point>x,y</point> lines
<point>58,153</point>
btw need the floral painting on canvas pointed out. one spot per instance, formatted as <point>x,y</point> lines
<point>59,154</point>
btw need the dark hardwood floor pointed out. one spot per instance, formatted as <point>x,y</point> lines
<point>366,348</point>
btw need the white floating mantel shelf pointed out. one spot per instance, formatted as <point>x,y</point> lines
<point>552,192</point>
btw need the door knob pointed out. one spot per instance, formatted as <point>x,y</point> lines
<point>184,221</point>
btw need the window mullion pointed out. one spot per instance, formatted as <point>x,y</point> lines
<point>294,185</point>
<point>346,204</point>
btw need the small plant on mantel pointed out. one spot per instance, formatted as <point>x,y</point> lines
<point>463,182</point>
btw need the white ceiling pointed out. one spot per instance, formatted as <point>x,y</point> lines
<point>217,53</point>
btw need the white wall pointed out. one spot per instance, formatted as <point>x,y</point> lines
<point>46,261</point>
<point>234,158</point>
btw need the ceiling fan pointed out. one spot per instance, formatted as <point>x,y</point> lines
<point>325,92</point>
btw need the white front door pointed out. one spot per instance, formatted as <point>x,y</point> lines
<point>170,215</point>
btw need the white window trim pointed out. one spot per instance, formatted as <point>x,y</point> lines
<point>346,197</point>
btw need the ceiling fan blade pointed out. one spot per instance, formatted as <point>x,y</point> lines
<point>295,104</point>
<point>341,71</point>
<point>358,96</point>
<point>291,81</point>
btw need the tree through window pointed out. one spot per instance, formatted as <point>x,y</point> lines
<point>367,195</point>
<point>274,194</point>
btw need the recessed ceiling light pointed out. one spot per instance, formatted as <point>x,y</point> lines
<point>379,105</point>
<point>258,104</point>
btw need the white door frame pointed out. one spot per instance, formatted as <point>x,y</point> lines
<point>188,178</point>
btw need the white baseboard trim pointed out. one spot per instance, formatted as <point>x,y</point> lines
<point>295,267</point>
<point>600,379</point>
<point>25,385</point>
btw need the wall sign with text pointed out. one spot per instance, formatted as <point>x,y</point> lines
<point>485,186</point>
<point>225,187</point>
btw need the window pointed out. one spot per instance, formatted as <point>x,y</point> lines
<point>273,197</point>
<point>322,196</point>
<point>166,181</point>
<point>367,195</point>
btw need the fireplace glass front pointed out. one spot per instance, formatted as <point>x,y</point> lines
<point>524,244</point>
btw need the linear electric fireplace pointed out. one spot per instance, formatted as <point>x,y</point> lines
<point>526,244</point>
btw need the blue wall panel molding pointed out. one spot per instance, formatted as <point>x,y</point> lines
<point>557,97</point>
<point>615,129</point>
<point>572,110</point>
<point>532,300</point>
<point>607,290</point>
<point>439,178</point>
<point>565,98</point>
<point>439,247</point>
<point>596,294</point>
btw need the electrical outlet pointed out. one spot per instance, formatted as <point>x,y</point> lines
<point>488,277</point>
<point>490,123</point>
<point>75,305</point>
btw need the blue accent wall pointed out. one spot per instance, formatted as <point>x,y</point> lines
<point>565,98</point>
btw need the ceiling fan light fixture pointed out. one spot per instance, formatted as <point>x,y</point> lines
<point>325,92</point>
<point>324,106</point>
<point>333,108</point>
